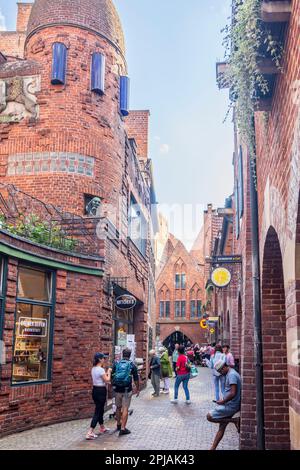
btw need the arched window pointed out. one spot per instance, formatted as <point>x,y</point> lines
<point>195,302</point>
<point>59,63</point>
<point>164,302</point>
<point>180,275</point>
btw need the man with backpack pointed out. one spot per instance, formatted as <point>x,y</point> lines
<point>122,374</point>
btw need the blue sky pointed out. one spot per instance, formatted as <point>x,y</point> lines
<point>172,48</point>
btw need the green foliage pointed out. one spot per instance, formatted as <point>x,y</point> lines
<point>39,231</point>
<point>245,39</point>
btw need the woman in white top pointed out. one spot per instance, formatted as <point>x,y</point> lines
<point>100,379</point>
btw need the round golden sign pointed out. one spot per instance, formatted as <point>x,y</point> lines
<point>221,277</point>
<point>203,324</point>
<point>212,330</point>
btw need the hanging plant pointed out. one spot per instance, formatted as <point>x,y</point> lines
<point>39,231</point>
<point>246,42</point>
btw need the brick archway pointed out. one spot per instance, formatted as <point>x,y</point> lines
<point>276,399</point>
<point>192,332</point>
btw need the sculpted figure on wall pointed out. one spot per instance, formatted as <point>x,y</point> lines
<point>18,99</point>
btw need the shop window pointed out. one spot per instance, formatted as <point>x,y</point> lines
<point>138,228</point>
<point>124,95</point>
<point>98,73</point>
<point>59,64</point>
<point>33,326</point>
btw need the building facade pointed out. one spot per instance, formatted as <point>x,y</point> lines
<point>78,209</point>
<point>278,185</point>
<point>180,296</point>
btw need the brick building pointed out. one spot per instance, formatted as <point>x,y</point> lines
<point>74,167</point>
<point>180,295</point>
<point>277,133</point>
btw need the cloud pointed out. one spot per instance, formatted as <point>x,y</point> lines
<point>2,22</point>
<point>164,149</point>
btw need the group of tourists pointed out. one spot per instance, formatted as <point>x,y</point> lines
<point>227,384</point>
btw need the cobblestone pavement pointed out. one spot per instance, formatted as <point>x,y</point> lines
<point>156,424</point>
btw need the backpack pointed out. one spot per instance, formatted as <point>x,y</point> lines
<point>122,376</point>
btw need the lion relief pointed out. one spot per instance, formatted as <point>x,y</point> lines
<point>18,99</point>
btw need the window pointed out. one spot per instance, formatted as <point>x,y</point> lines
<point>199,308</point>
<point>183,308</point>
<point>138,228</point>
<point>33,326</point>
<point>2,293</point>
<point>193,308</point>
<point>124,95</point>
<point>59,64</point>
<point>98,73</point>
<point>177,308</point>
<point>168,309</point>
<point>180,281</point>
<point>237,217</point>
<point>161,309</point>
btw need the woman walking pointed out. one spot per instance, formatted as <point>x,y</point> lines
<point>101,377</point>
<point>183,376</point>
<point>219,380</point>
<point>166,369</point>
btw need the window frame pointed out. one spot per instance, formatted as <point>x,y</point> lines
<point>51,304</point>
<point>193,309</point>
<point>54,79</point>
<point>161,309</point>
<point>177,304</point>
<point>183,310</point>
<point>167,309</point>
<point>144,227</point>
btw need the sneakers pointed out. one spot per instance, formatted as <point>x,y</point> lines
<point>188,402</point>
<point>103,430</point>
<point>124,432</point>
<point>174,401</point>
<point>166,392</point>
<point>91,436</point>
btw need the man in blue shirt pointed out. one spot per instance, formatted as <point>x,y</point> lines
<point>226,408</point>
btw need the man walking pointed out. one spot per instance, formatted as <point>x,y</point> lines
<point>226,408</point>
<point>154,372</point>
<point>123,372</point>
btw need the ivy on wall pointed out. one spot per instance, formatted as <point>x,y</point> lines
<point>246,42</point>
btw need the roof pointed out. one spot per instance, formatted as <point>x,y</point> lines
<point>99,16</point>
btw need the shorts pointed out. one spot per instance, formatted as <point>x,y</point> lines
<point>222,411</point>
<point>123,400</point>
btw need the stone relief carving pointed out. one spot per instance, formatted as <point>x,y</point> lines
<point>18,99</point>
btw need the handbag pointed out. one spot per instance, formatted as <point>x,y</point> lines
<point>193,371</point>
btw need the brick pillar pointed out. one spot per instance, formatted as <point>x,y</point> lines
<point>276,398</point>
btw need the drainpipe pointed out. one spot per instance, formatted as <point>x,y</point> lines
<point>257,308</point>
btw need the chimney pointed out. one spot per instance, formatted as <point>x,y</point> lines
<point>24,10</point>
<point>137,126</point>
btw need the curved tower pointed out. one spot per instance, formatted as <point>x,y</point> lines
<point>70,144</point>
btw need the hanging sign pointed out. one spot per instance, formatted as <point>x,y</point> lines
<point>212,330</point>
<point>203,324</point>
<point>125,302</point>
<point>221,277</point>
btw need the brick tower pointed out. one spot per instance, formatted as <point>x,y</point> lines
<point>71,141</point>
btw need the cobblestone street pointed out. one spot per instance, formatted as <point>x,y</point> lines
<point>156,424</point>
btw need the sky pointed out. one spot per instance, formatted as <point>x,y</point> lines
<point>172,49</point>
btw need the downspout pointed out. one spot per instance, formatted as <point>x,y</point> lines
<point>257,307</point>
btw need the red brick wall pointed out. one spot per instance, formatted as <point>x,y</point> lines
<point>137,125</point>
<point>12,43</point>
<point>24,10</point>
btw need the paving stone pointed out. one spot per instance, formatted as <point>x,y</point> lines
<point>156,424</point>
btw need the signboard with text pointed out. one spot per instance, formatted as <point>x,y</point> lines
<point>28,327</point>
